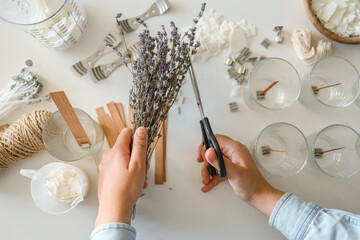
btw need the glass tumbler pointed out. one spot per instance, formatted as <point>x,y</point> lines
<point>280,96</point>
<point>281,149</point>
<point>336,150</point>
<point>332,83</point>
<point>57,24</point>
<point>61,143</point>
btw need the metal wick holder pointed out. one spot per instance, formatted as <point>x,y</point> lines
<point>314,87</point>
<point>233,107</point>
<point>260,96</point>
<point>318,152</point>
<point>279,38</point>
<point>85,146</point>
<point>264,148</point>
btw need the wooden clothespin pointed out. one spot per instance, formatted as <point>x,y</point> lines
<point>70,117</point>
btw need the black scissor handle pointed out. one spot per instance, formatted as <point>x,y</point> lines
<point>210,168</point>
<point>210,141</point>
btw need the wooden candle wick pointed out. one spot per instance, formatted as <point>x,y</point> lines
<point>272,150</point>
<point>268,88</point>
<point>333,85</point>
<point>334,149</point>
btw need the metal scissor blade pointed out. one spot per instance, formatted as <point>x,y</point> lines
<point>196,89</point>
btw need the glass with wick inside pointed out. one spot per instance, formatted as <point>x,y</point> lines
<point>273,84</point>
<point>335,150</point>
<point>56,24</point>
<point>281,149</point>
<point>332,83</point>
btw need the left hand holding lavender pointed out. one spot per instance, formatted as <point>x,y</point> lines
<point>122,177</point>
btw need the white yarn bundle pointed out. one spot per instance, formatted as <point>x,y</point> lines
<point>309,55</point>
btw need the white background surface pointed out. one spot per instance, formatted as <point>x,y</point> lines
<point>183,212</point>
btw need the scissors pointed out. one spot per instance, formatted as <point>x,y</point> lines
<point>209,138</point>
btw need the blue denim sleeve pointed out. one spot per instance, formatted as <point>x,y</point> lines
<point>297,219</point>
<point>114,231</point>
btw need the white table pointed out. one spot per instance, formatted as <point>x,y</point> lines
<point>183,212</point>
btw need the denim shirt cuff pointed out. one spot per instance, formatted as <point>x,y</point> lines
<point>292,216</point>
<point>114,231</point>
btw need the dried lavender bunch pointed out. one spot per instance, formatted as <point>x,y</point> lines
<point>158,74</point>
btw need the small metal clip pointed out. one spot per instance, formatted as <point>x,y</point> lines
<point>233,73</point>
<point>85,146</point>
<point>264,149</point>
<point>240,79</point>
<point>278,29</point>
<point>266,43</point>
<point>242,70</point>
<point>279,38</point>
<point>230,61</point>
<point>260,96</point>
<point>314,87</point>
<point>318,152</point>
<point>252,60</point>
<point>233,107</point>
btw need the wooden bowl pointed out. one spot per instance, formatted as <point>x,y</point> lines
<point>327,33</point>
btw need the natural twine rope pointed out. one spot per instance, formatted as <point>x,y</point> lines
<point>23,138</point>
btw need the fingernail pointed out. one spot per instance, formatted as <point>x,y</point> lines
<point>141,132</point>
<point>212,156</point>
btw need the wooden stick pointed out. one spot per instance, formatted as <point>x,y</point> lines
<point>120,108</point>
<point>165,141</point>
<point>116,116</point>
<point>333,85</point>
<point>334,149</point>
<point>70,117</point>
<point>160,154</point>
<point>272,150</point>
<point>130,118</point>
<point>268,88</point>
<point>108,126</point>
<point>3,127</point>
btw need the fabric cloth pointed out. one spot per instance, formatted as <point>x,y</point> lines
<point>297,219</point>
<point>114,231</point>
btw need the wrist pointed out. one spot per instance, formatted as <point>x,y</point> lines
<point>112,212</point>
<point>265,199</point>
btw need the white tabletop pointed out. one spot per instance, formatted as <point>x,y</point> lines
<point>177,209</point>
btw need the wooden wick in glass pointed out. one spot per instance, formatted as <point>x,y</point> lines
<point>272,150</point>
<point>334,149</point>
<point>321,88</point>
<point>268,88</point>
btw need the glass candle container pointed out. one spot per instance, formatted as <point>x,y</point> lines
<point>332,83</point>
<point>281,149</point>
<point>56,24</point>
<point>336,150</point>
<point>61,143</point>
<point>279,79</point>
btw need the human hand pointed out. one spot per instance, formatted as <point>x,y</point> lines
<point>122,177</point>
<point>242,174</point>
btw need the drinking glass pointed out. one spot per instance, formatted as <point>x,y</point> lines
<point>61,143</point>
<point>281,149</point>
<point>280,96</point>
<point>336,81</point>
<point>336,150</point>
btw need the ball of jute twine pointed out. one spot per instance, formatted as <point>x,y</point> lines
<point>23,138</point>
